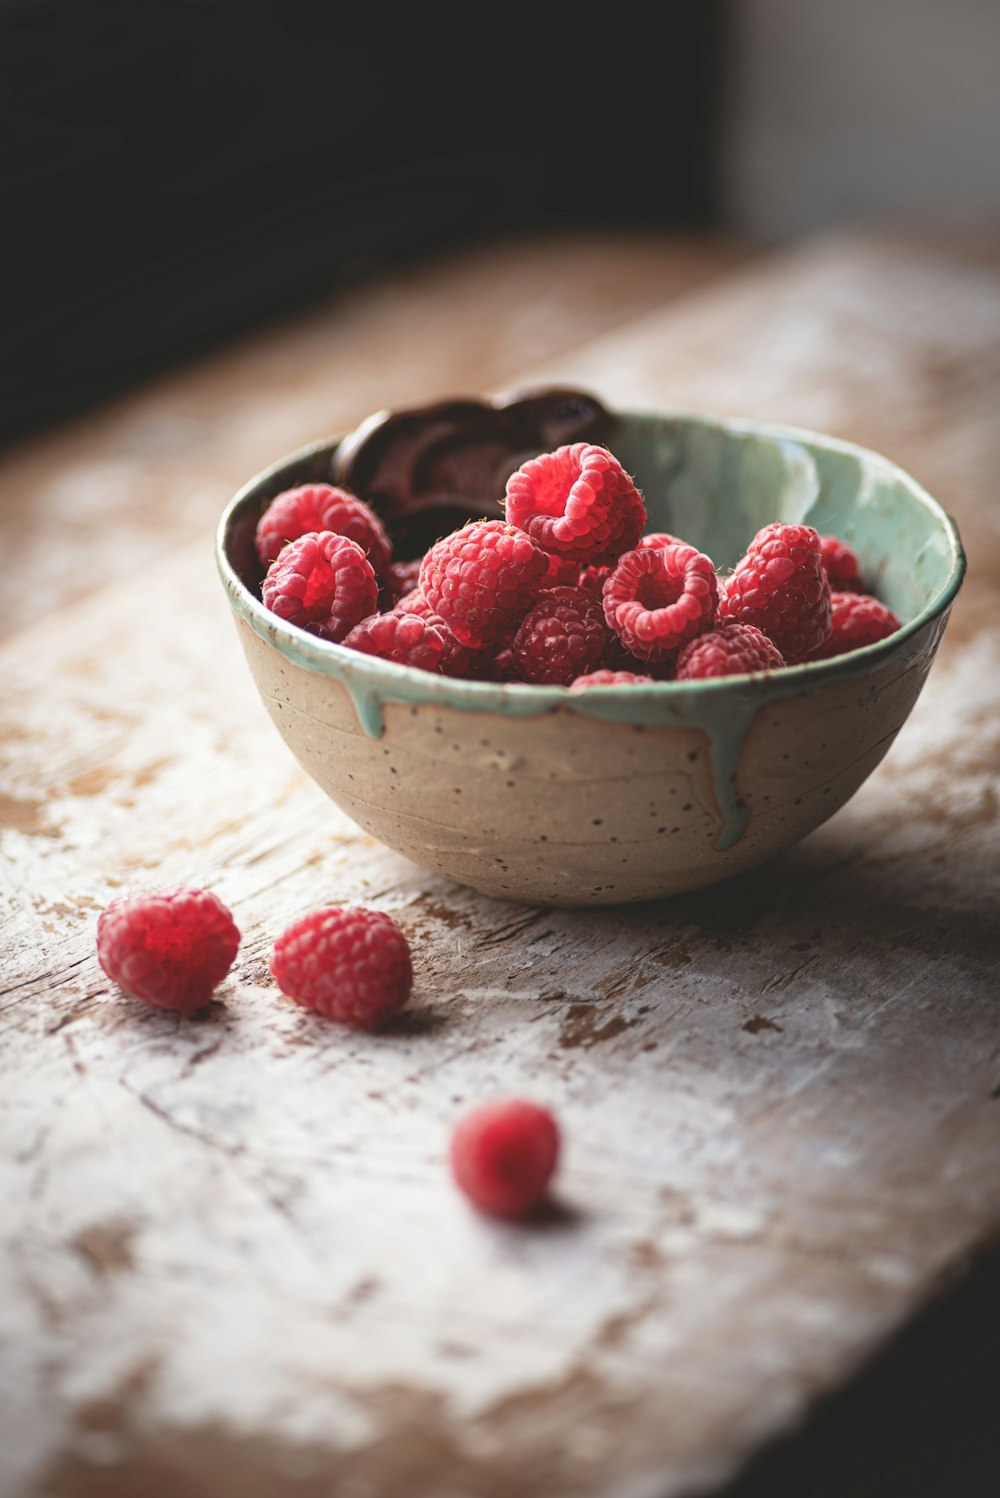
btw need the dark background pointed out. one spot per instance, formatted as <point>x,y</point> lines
<point>176,171</point>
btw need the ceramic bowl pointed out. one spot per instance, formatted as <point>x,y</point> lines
<point>627,793</point>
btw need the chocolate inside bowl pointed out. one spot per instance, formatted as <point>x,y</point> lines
<point>426,472</point>
<point>624,793</point>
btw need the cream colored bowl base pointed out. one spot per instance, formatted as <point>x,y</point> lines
<point>630,811</point>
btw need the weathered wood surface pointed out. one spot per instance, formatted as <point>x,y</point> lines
<point>235,1262</point>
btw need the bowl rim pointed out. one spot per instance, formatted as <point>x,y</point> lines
<point>325,658</point>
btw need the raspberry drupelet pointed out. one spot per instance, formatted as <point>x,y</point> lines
<point>727,650</point>
<point>503,666</point>
<point>349,963</point>
<point>482,580</point>
<point>780,586</point>
<point>401,578</point>
<point>656,539</point>
<point>321,507</point>
<point>323,583</point>
<point>405,638</point>
<point>594,577</point>
<point>414,602</point>
<point>170,949</point>
<point>658,598</point>
<point>842,566</point>
<point>458,660</point>
<point>562,636</point>
<point>855,620</point>
<point>504,1155</point>
<point>577,502</point>
<point>563,573</point>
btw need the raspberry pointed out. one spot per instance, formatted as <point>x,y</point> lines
<point>617,658</point>
<point>577,502</point>
<point>458,659</point>
<point>609,679</point>
<point>593,578</point>
<point>414,602</point>
<point>727,650</point>
<point>780,587</point>
<point>349,964</point>
<point>504,666</point>
<point>855,620</point>
<point>563,573</point>
<point>503,1156</point>
<point>320,507</point>
<point>658,539</point>
<point>405,638</point>
<point>169,949</point>
<point>482,580</point>
<point>323,583</point>
<point>658,598</point>
<point>401,578</point>
<point>842,565</point>
<point>562,636</point>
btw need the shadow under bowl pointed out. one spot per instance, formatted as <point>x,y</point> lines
<point>623,793</point>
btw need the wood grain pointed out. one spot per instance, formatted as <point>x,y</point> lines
<point>237,1264</point>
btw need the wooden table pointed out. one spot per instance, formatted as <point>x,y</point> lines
<point>234,1261</point>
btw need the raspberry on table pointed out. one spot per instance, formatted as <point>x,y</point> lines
<point>170,949</point>
<point>482,580</point>
<point>658,598</point>
<point>605,678</point>
<point>504,1155</point>
<point>321,507</point>
<point>577,502</point>
<point>728,650</point>
<point>842,564</point>
<point>405,638</point>
<point>781,587</point>
<point>323,583</point>
<point>855,620</point>
<point>560,637</point>
<point>349,963</point>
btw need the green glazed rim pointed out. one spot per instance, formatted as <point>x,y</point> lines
<point>722,708</point>
<point>628,703</point>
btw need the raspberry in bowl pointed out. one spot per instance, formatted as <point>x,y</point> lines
<point>729,702</point>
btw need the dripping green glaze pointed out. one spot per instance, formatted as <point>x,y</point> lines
<point>716,483</point>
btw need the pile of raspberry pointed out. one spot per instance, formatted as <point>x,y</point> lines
<point>567,591</point>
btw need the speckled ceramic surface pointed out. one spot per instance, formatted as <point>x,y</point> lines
<point>626,793</point>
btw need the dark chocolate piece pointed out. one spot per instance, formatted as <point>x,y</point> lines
<point>558,415</point>
<point>428,470</point>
